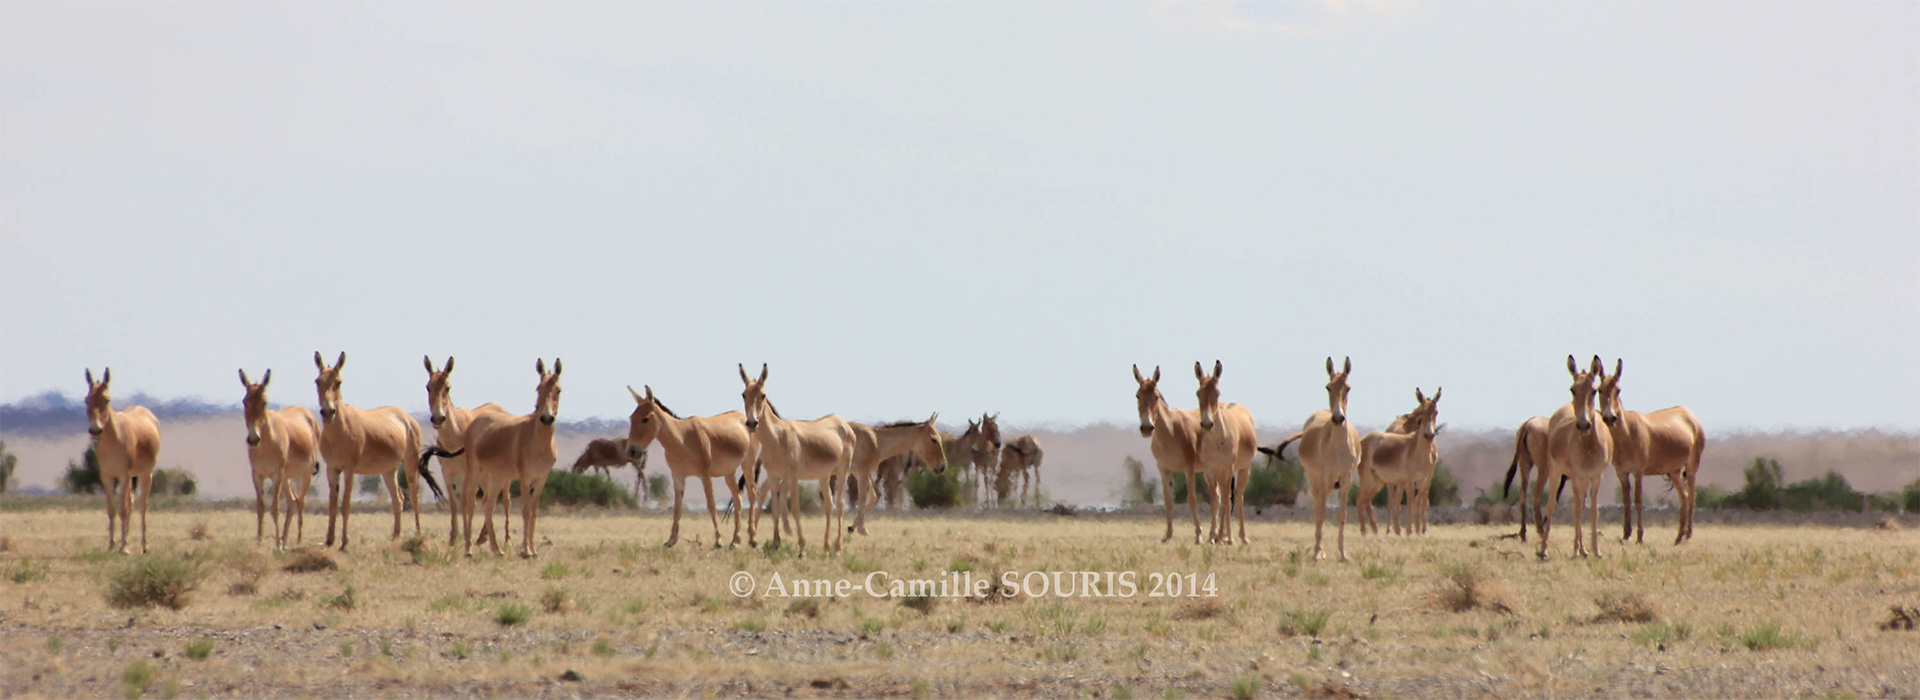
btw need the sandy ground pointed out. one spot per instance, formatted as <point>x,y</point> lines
<point>629,617</point>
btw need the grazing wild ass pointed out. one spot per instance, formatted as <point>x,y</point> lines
<point>507,448</point>
<point>283,447</point>
<point>1329,451</point>
<point>702,447</point>
<point>1175,435</point>
<point>1398,458</point>
<point>1667,442</point>
<point>604,453</point>
<point>819,449</point>
<point>1226,447</point>
<point>874,443</point>
<point>1529,457</point>
<point>450,425</point>
<point>1580,449</point>
<point>380,441</point>
<point>126,444</point>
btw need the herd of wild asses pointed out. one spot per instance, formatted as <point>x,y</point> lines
<point>759,454</point>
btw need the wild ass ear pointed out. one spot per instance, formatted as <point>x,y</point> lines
<point>1330,371</point>
<point>637,398</point>
<point>540,365</point>
<point>1217,367</point>
<point>763,373</point>
<point>1137,378</point>
<point>265,378</point>
<point>932,418</point>
<point>1417,396</point>
<point>1199,373</point>
<point>1436,393</point>
<point>106,375</point>
<point>649,388</point>
<point>89,378</point>
<point>243,379</point>
<point>317,362</point>
<point>1618,364</point>
<point>1573,367</point>
<point>556,366</point>
<point>1598,367</point>
<point>1347,367</point>
<point>428,361</point>
<point>743,375</point>
<point>1156,374</point>
<point>342,362</point>
<point>449,363</point>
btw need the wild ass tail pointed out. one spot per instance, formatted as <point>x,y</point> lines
<point>426,476</point>
<point>1276,450</point>
<point>1519,448</point>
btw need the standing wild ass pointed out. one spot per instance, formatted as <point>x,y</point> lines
<point>793,451</point>
<point>283,447</point>
<point>984,454</point>
<point>450,424</point>
<point>603,453</point>
<point>1226,448</point>
<point>379,441</point>
<point>1329,450</point>
<point>702,447</point>
<point>874,443</point>
<point>1021,456</point>
<point>126,444</point>
<point>1667,442</point>
<point>1529,457</point>
<point>1398,458</point>
<point>1580,449</point>
<point>1176,445</point>
<point>507,448</point>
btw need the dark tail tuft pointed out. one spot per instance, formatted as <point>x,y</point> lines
<point>427,476</point>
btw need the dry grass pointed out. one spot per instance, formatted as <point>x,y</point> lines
<point>1461,589</point>
<point>1741,611</point>
<point>1627,607</point>
<point>309,560</point>
<point>200,532</point>
<point>250,567</point>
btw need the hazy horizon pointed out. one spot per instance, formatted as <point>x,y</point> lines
<point>972,207</point>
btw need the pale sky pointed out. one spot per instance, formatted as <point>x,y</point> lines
<point>966,207</point>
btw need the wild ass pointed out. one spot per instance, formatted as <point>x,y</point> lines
<point>1667,442</point>
<point>603,453</point>
<point>507,448</point>
<point>380,441</point>
<point>1175,435</point>
<point>1402,477</point>
<point>1529,457</point>
<point>284,448</point>
<point>1226,448</point>
<point>793,451</point>
<point>1021,457</point>
<point>450,424</point>
<point>874,443</point>
<point>1329,451</point>
<point>702,447</point>
<point>1580,449</point>
<point>126,444</point>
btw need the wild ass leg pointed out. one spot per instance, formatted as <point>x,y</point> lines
<point>1166,493</point>
<point>259,510</point>
<point>146,488</point>
<point>333,501</point>
<point>1193,503</point>
<point>112,487</point>
<point>679,497</point>
<point>530,515</point>
<point>393,495</point>
<point>733,497</point>
<point>1525,496</point>
<point>1626,503</point>
<point>1320,519</point>
<point>706,483</point>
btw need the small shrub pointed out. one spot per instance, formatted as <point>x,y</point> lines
<point>1200,609</point>
<point>137,676</point>
<point>1141,490</point>
<point>809,607</point>
<point>346,650</point>
<point>569,489</point>
<point>1627,607</point>
<point>28,571</point>
<point>309,560</point>
<point>150,580</point>
<point>1768,636</point>
<point>451,602</point>
<point>556,601</point>
<point>200,532</point>
<point>512,614</point>
<point>1245,687</point>
<point>460,650</point>
<point>922,604</point>
<point>870,627</point>
<point>346,600</point>
<point>1463,589</point>
<point>602,648</point>
<point>250,568</point>
<point>930,490</point>
<point>1372,572</point>
<point>200,649</point>
<point>1307,622</point>
<point>555,571</point>
<point>55,644</point>
<point>1663,633</point>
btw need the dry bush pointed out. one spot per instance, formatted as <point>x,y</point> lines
<point>250,568</point>
<point>150,580</point>
<point>200,532</point>
<point>413,545</point>
<point>555,601</point>
<point>1200,609</point>
<point>1627,607</point>
<point>6,543</point>
<point>1903,618</point>
<point>1886,524</point>
<point>309,560</point>
<point>1463,589</point>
